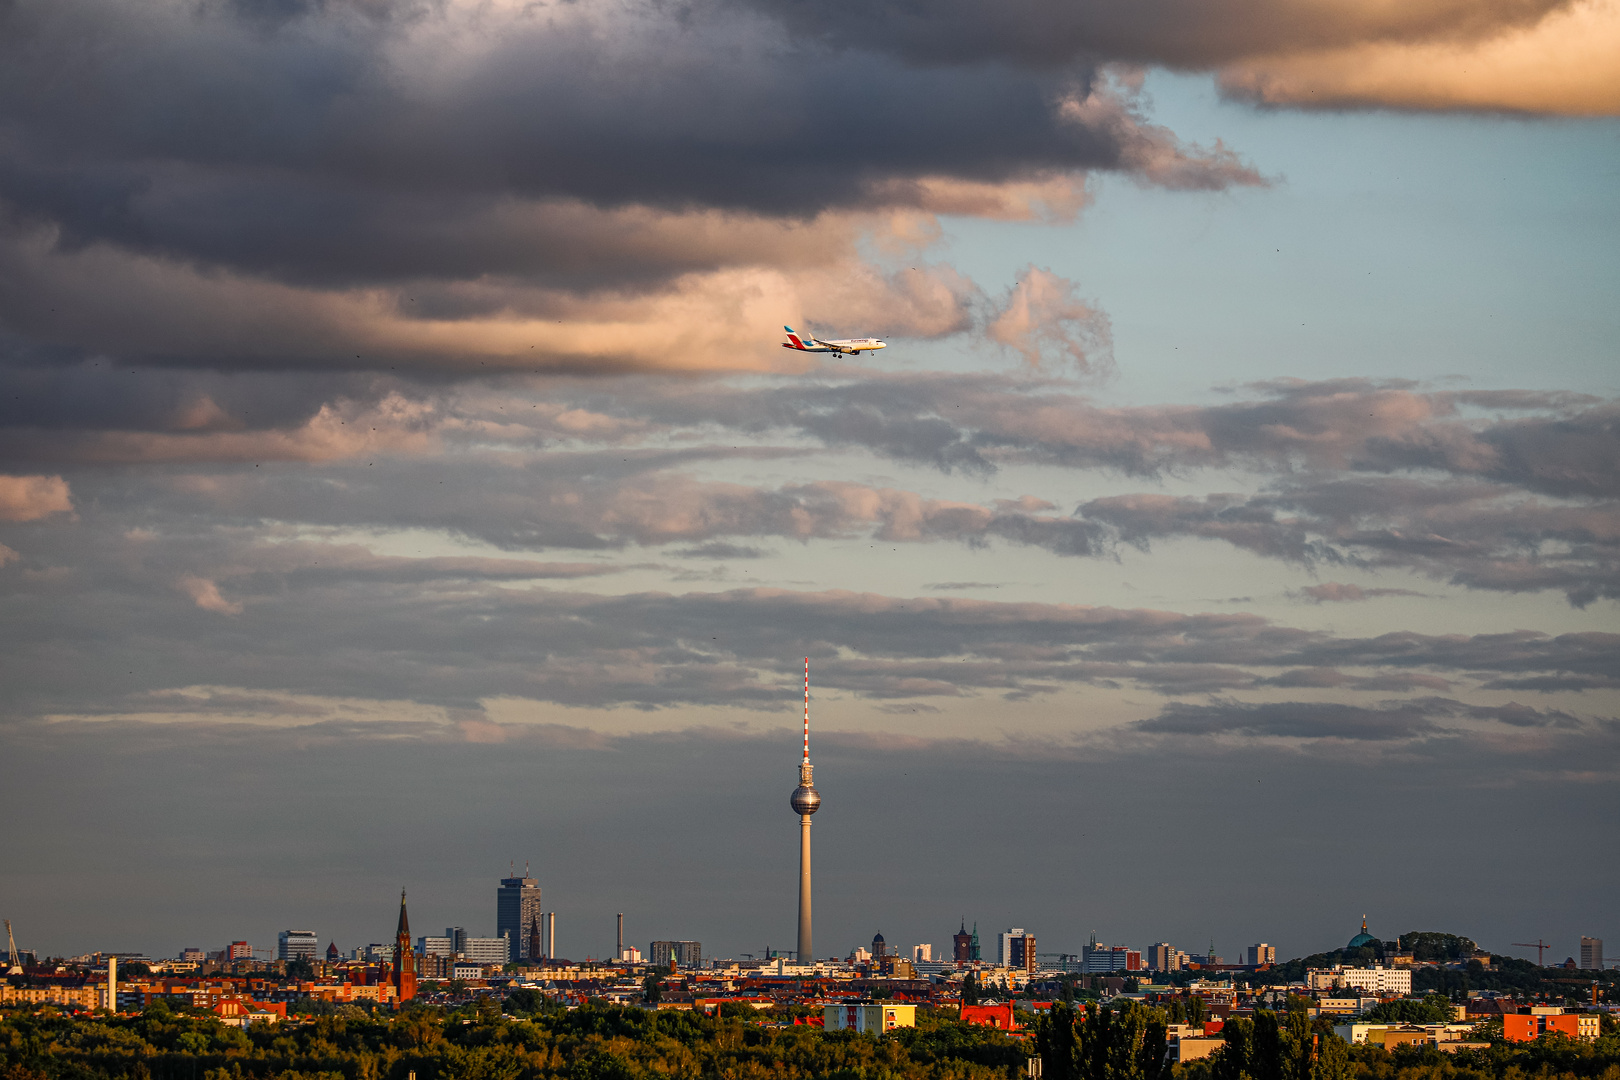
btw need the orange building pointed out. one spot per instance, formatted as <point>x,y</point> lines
<point>1518,1027</point>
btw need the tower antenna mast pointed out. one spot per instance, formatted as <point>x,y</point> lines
<point>806,800</point>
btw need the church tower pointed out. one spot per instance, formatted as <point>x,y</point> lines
<point>404,957</point>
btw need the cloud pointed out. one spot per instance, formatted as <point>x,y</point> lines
<point>1390,721</point>
<point>30,498</point>
<point>1338,593</point>
<point>1561,64</point>
<point>1042,319</point>
<point>1549,56</point>
<point>205,594</point>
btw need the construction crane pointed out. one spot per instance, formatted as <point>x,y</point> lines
<point>13,968</point>
<point>1540,946</point>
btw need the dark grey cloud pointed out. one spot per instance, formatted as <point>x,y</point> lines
<point>336,148</point>
<point>1389,721</point>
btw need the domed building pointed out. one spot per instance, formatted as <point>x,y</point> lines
<point>880,948</point>
<point>1362,938</point>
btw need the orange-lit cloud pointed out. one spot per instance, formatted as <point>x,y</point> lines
<point>29,498</point>
<point>1568,63</point>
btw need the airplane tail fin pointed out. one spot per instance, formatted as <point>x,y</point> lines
<point>797,341</point>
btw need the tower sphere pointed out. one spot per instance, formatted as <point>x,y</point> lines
<point>805,800</point>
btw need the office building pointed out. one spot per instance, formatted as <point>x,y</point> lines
<point>458,938</point>
<point>1015,948</point>
<point>1591,954</point>
<point>294,945</point>
<point>685,954</point>
<point>517,914</point>
<point>239,950</point>
<point>486,950</point>
<point>1164,956</point>
<point>1262,954</point>
<point>436,946</point>
<point>805,800</point>
<point>1095,958</point>
<point>1372,980</point>
<point>922,954</point>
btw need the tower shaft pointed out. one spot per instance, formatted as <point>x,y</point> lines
<point>807,952</point>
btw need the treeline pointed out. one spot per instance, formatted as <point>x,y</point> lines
<point>1128,1043</point>
<point>604,1042</point>
<point>596,1042</point>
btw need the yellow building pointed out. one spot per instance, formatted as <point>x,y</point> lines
<point>873,1016</point>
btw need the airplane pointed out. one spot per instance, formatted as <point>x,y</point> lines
<point>811,343</point>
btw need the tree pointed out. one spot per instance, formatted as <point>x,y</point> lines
<point>1101,1043</point>
<point>652,988</point>
<point>970,989</point>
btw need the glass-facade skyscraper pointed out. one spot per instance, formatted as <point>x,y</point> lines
<point>517,915</point>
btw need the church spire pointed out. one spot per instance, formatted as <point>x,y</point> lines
<point>404,923</point>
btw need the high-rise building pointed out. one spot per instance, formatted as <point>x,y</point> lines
<point>922,954</point>
<point>1015,948</point>
<point>1591,954</point>
<point>1164,956</point>
<point>293,945</point>
<point>517,914</point>
<point>436,946</point>
<point>1262,954</point>
<point>686,954</point>
<point>805,800</point>
<point>1095,957</point>
<point>239,950</point>
<point>962,945</point>
<point>404,976</point>
<point>458,938</point>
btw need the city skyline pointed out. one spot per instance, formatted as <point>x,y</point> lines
<point>400,470</point>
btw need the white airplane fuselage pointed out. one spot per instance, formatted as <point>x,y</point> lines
<point>811,343</point>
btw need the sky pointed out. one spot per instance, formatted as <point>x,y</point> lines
<point>401,479</point>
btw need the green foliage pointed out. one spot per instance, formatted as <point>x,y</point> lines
<point>588,1043</point>
<point>1100,1043</point>
<point>1427,946</point>
<point>1434,1009</point>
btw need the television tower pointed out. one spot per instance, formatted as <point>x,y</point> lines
<point>805,801</point>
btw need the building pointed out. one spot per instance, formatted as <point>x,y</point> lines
<point>291,945</point>
<point>874,1016</point>
<point>1371,980</point>
<point>239,950</point>
<point>436,946</point>
<point>805,801</point>
<point>458,938</point>
<point>486,950</point>
<point>962,945</point>
<point>1192,1047</point>
<point>1591,954</point>
<point>1262,954</point>
<point>1002,1017</point>
<point>404,965</point>
<point>880,948</point>
<point>1164,956</point>
<point>1518,1027</point>
<point>922,954</point>
<point>1015,948</point>
<point>1095,958</point>
<point>686,954</point>
<point>517,914</point>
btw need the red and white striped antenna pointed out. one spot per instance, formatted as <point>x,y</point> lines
<point>807,710</point>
